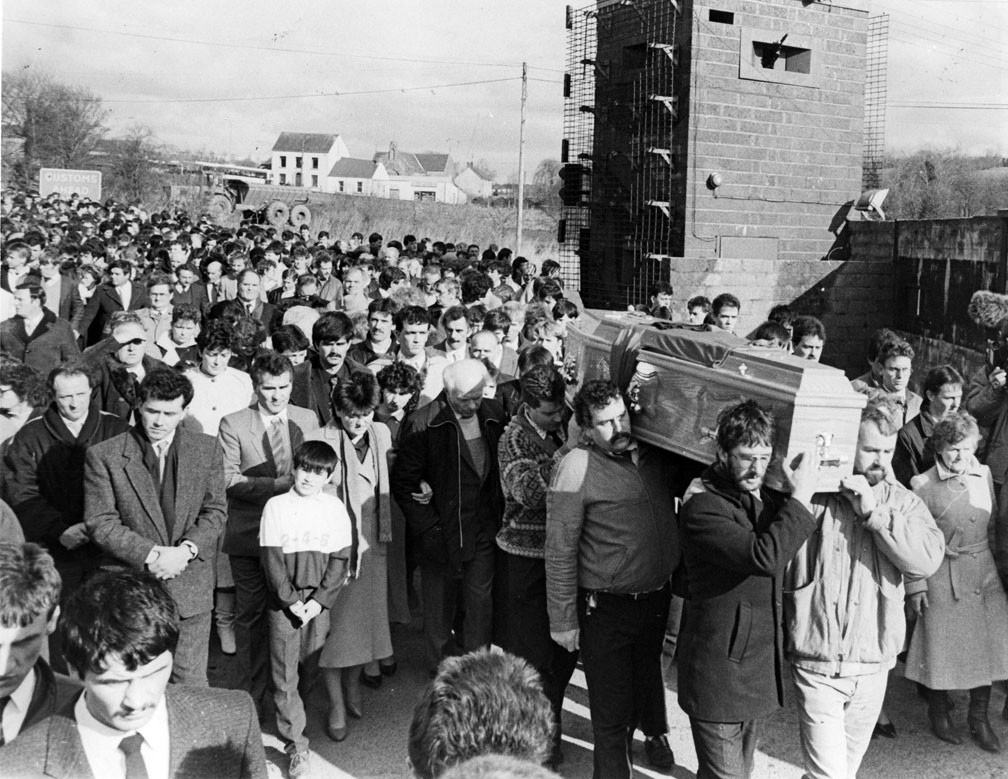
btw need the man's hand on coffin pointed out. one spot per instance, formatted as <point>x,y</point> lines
<point>802,475</point>
<point>998,378</point>
<point>568,639</point>
<point>858,491</point>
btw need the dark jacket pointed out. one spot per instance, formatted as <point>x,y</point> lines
<point>312,388</point>
<point>913,454</point>
<point>731,643</point>
<point>465,503</point>
<point>94,323</point>
<point>52,342</point>
<point>196,295</point>
<point>52,692</point>
<point>115,388</point>
<point>45,476</point>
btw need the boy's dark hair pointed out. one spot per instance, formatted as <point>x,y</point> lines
<point>411,315</point>
<point>497,319</point>
<point>270,364</point>
<point>165,384</point>
<point>592,396</point>
<point>698,301</point>
<point>217,336</point>
<point>186,312</point>
<point>782,315</point>
<point>289,338</point>
<point>122,613</point>
<point>29,584</point>
<point>475,285</point>
<point>802,326</point>
<point>316,457</point>
<point>746,424</point>
<point>771,331</point>
<point>542,384</point>
<point>894,348</point>
<point>383,306</point>
<point>725,300</point>
<point>357,395</point>
<point>531,356</point>
<point>400,378</point>
<point>660,288</point>
<point>331,327</point>
<point>938,377</point>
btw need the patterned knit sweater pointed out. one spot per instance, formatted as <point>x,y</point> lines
<point>526,466</point>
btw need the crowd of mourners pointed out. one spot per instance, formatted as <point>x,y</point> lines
<point>295,441</point>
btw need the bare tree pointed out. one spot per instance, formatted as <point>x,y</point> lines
<point>131,172</point>
<point>58,124</point>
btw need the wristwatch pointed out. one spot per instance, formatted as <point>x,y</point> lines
<point>193,549</point>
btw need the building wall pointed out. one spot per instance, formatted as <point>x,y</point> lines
<point>290,170</point>
<point>788,151</point>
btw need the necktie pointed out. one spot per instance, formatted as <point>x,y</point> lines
<point>281,458</point>
<point>3,707</point>
<point>160,448</point>
<point>135,766</point>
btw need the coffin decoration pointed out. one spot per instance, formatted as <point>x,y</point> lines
<point>677,378</point>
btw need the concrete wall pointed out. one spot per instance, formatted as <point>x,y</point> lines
<point>788,150</point>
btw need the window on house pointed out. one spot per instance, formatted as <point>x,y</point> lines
<point>283,178</point>
<point>297,162</point>
<point>314,181</point>
<point>283,160</point>
<point>360,186</point>
<point>341,185</point>
<point>314,162</point>
<point>721,17</point>
<point>425,195</point>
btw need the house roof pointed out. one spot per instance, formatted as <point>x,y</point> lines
<point>433,162</point>
<point>317,143</point>
<point>404,164</point>
<point>349,167</point>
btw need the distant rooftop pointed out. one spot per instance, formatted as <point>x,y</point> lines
<point>315,143</point>
<point>351,168</point>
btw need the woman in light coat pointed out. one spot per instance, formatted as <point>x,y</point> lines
<point>961,637</point>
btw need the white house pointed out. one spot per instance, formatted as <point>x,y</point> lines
<point>304,159</point>
<point>352,176</point>
<point>473,183</point>
<point>426,176</point>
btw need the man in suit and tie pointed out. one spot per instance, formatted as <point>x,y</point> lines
<point>121,635</point>
<point>154,499</point>
<point>258,444</point>
<point>248,295</point>
<point>120,294</point>
<point>188,291</point>
<point>214,270</point>
<point>35,335</point>
<point>314,378</point>
<point>62,295</point>
<point>30,590</point>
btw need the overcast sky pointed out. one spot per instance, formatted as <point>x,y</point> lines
<point>183,69</point>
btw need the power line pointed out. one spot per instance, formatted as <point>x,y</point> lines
<point>956,106</point>
<point>315,94</point>
<point>268,49</point>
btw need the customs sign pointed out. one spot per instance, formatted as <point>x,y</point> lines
<point>86,183</point>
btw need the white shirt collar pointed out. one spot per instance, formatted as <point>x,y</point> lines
<point>101,743</point>
<point>268,418</point>
<point>17,707</point>
<point>164,442</point>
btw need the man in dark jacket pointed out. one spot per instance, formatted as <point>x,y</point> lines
<point>121,362</point>
<point>120,294</point>
<point>45,476</point>
<point>315,377</point>
<point>35,335</point>
<point>451,443</point>
<point>737,537</point>
<point>30,592</point>
<point>611,549</point>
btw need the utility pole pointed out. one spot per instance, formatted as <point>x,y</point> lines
<point>521,160</point>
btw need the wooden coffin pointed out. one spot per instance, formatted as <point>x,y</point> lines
<point>678,380</point>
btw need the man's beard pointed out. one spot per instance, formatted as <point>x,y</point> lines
<point>875,474</point>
